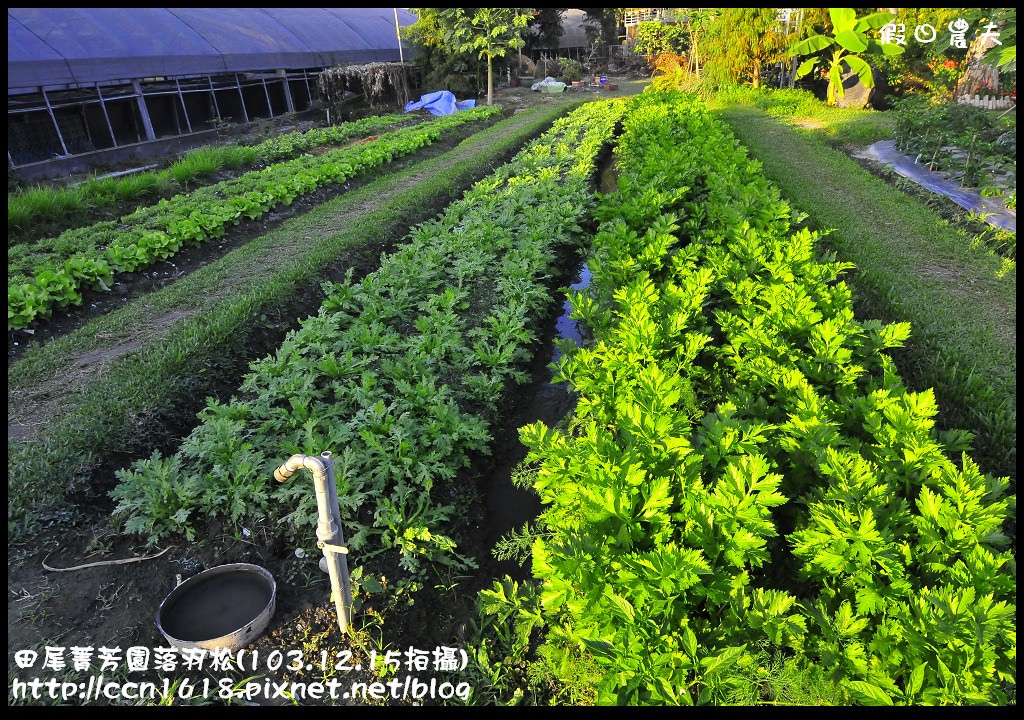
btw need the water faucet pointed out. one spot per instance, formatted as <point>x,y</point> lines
<point>328,528</point>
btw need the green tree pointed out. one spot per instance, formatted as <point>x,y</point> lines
<point>990,54</point>
<point>607,22</point>
<point>741,42</point>
<point>698,24</point>
<point>489,32</point>
<point>547,23</point>
<point>445,66</point>
<point>1004,56</point>
<point>655,38</point>
<point>848,42</point>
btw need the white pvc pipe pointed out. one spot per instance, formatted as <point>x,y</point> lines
<point>328,529</point>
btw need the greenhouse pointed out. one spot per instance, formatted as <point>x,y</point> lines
<point>86,80</point>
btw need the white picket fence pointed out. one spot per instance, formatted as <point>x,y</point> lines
<point>986,101</point>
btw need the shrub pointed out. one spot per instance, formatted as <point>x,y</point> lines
<point>572,70</point>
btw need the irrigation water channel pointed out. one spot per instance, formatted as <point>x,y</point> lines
<point>509,507</point>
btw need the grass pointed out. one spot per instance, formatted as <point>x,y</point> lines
<point>195,337</point>
<point>970,226</point>
<point>204,162</point>
<point>911,266</point>
<point>839,127</point>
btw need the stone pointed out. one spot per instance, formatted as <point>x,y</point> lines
<point>856,94</point>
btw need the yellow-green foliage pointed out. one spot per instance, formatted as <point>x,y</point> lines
<point>810,510</point>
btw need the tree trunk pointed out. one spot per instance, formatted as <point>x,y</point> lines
<point>757,74</point>
<point>490,81</point>
<point>978,74</point>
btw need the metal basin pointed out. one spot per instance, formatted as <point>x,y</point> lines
<point>227,606</point>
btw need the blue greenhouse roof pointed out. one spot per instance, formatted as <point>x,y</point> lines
<point>66,46</point>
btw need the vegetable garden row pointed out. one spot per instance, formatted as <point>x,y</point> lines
<point>52,272</point>
<point>961,139</point>
<point>745,483</point>
<point>401,372</point>
<point>86,419</point>
<point>42,207</point>
<point>745,473</point>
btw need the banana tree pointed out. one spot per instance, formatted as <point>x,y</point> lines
<point>848,41</point>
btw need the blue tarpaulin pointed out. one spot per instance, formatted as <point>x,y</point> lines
<point>440,103</point>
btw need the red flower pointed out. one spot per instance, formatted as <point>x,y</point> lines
<point>950,64</point>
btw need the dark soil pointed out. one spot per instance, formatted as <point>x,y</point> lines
<point>115,605</point>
